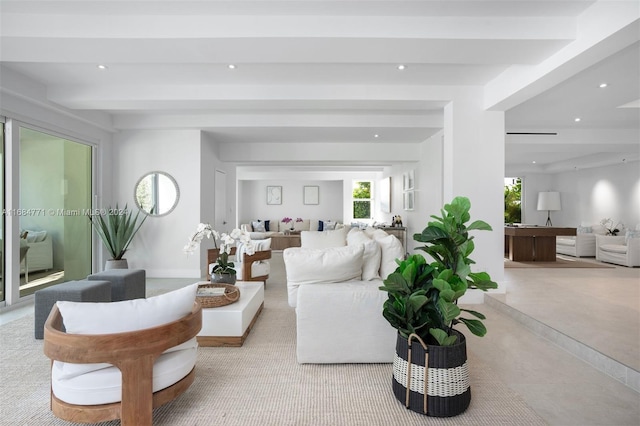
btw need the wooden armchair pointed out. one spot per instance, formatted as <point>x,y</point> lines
<point>247,262</point>
<point>133,353</point>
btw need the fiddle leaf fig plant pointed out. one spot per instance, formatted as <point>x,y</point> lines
<point>423,297</point>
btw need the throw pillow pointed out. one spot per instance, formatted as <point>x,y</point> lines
<point>371,256</point>
<point>322,239</point>
<point>391,249</point>
<point>124,316</point>
<point>631,234</point>
<point>267,225</point>
<point>321,266</point>
<point>583,230</point>
<point>320,225</point>
<point>329,225</point>
<point>258,226</point>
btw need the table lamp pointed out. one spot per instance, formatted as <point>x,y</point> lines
<point>549,201</point>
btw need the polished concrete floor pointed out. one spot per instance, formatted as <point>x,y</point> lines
<point>589,311</point>
<point>554,336</point>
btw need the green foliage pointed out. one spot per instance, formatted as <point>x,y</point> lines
<point>512,202</point>
<point>423,297</point>
<point>116,228</point>
<point>362,209</point>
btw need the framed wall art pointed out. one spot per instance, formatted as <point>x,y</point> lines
<point>274,195</point>
<point>311,195</point>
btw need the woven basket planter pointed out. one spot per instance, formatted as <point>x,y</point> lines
<point>447,392</point>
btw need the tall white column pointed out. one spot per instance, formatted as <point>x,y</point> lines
<point>473,164</point>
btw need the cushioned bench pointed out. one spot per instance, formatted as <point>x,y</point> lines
<point>126,284</point>
<point>71,291</point>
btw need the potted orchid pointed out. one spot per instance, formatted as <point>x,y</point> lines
<point>611,229</point>
<point>224,270</point>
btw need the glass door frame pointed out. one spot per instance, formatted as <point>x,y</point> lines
<point>12,203</point>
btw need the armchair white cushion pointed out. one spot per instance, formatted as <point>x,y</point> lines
<point>620,249</point>
<point>101,383</point>
<point>579,245</point>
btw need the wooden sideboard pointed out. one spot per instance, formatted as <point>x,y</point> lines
<point>281,242</point>
<point>533,243</point>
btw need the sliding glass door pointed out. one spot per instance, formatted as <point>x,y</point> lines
<point>55,196</point>
<point>2,239</point>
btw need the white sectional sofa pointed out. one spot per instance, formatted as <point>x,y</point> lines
<point>583,244</point>
<point>335,291</point>
<point>261,229</point>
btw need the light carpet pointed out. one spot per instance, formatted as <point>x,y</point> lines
<point>261,383</point>
<point>561,262</point>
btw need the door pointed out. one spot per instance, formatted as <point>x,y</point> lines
<point>220,196</point>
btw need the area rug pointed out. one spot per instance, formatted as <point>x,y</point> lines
<point>261,383</point>
<point>561,262</point>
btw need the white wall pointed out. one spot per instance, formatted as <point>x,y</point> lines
<point>589,195</point>
<point>157,247</point>
<point>252,200</point>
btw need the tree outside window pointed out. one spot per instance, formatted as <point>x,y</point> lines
<point>512,200</point>
<point>362,200</point>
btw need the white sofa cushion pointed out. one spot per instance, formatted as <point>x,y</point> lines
<point>371,256</point>
<point>104,386</point>
<point>614,248</point>
<point>307,266</point>
<point>566,241</point>
<point>323,239</point>
<point>343,323</point>
<point>391,249</point>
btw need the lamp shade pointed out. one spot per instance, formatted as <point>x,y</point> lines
<point>549,200</point>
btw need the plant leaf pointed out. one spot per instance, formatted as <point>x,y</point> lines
<point>475,326</point>
<point>480,225</point>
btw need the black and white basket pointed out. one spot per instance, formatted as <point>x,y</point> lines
<point>446,390</point>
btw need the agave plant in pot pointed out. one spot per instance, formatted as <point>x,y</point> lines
<point>423,307</point>
<point>116,228</point>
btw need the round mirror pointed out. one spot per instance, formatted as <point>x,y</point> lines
<point>156,193</point>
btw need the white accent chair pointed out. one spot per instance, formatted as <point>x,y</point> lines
<point>620,249</point>
<point>579,245</point>
<point>119,360</point>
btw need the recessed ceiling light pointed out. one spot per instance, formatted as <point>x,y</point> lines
<point>533,162</point>
<point>376,135</point>
<point>231,67</point>
<point>402,67</point>
<point>102,67</point>
<point>577,119</point>
<point>603,85</point>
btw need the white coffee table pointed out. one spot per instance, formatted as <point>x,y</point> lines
<point>230,325</point>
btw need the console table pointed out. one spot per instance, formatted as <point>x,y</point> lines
<point>533,243</point>
<point>281,242</point>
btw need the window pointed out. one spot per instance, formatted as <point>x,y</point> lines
<point>513,200</point>
<point>362,199</point>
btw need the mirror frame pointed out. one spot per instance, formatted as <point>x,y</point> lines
<point>175,184</point>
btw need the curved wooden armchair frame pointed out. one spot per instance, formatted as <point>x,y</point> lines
<point>133,353</point>
<point>247,261</point>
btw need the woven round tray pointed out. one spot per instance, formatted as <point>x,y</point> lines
<point>231,295</point>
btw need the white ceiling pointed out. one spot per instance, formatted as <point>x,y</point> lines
<point>326,71</point>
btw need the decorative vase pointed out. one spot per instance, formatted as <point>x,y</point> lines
<point>223,278</point>
<point>446,391</point>
<point>116,264</point>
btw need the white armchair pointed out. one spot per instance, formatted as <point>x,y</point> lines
<point>253,267</point>
<point>620,249</point>
<point>579,245</point>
